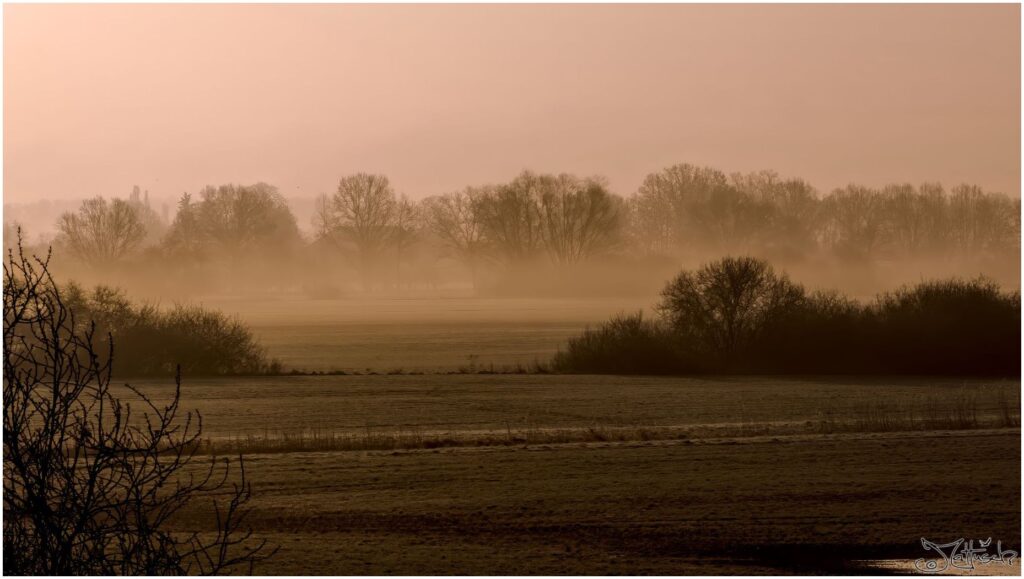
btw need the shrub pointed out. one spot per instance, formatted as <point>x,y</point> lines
<point>626,344</point>
<point>948,327</point>
<point>737,315</point>
<point>153,342</point>
<point>828,333</point>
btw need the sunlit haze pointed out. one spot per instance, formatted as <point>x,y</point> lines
<point>172,98</point>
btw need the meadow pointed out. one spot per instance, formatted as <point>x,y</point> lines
<point>446,468</point>
<point>753,479</point>
<point>445,332</point>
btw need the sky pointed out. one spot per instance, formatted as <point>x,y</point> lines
<point>98,98</point>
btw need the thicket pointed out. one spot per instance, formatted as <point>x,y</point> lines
<point>154,341</point>
<point>740,315</point>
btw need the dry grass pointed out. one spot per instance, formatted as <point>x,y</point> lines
<point>956,411</point>
<point>959,411</point>
<point>321,441</point>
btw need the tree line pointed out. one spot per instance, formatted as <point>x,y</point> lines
<point>559,219</point>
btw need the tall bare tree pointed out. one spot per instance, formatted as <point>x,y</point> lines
<point>510,217</point>
<point>405,229</point>
<point>783,213</point>
<point>362,211</point>
<point>686,206</point>
<point>854,222</point>
<point>101,232</point>
<point>980,221</point>
<point>454,219</point>
<point>915,219</point>
<point>239,219</point>
<point>579,217</point>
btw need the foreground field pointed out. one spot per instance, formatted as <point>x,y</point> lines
<point>735,506</point>
<point>748,502</point>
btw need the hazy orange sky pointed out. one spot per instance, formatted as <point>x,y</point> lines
<point>174,97</point>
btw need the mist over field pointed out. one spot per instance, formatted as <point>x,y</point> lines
<point>511,289</point>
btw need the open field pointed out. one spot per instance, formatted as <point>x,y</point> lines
<point>424,334</point>
<point>724,500</point>
<point>459,403</point>
<point>737,506</point>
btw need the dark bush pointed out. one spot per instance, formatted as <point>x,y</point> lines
<point>948,327</point>
<point>828,333</point>
<point>737,315</point>
<point>153,342</point>
<point>626,344</point>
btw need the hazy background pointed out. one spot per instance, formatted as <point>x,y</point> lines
<point>172,98</point>
<point>257,110</point>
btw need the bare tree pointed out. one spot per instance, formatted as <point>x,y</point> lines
<point>89,486</point>
<point>238,219</point>
<point>784,213</point>
<point>726,305</point>
<point>101,233</point>
<point>980,222</point>
<point>363,210</point>
<point>454,219</point>
<point>914,218</point>
<point>324,220</point>
<point>510,217</point>
<point>854,222</point>
<point>579,217</point>
<point>405,229</point>
<point>686,206</point>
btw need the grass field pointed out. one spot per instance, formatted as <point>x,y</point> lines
<point>729,497</point>
<point>454,403</point>
<point>421,334</point>
<point>762,506</point>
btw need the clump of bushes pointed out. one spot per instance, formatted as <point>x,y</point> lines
<point>626,344</point>
<point>152,341</point>
<point>963,327</point>
<point>739,315</point>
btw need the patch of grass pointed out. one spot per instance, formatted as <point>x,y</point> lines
<point>959,411</point>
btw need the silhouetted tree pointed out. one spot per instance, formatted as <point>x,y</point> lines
<point>685,207</point>
<point>91,487</point>
<point>510,216</point>
<point>362,211</point>
<point>980,222</point>
<point>783,213</point>
<point>454,219</point>
<point>915,219</point>
<point>185,238</point>
<point>236,220</point>
<point>855,222</point>
<point>101,233</point>
<point>726,305</point>
<point>579,217</point>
